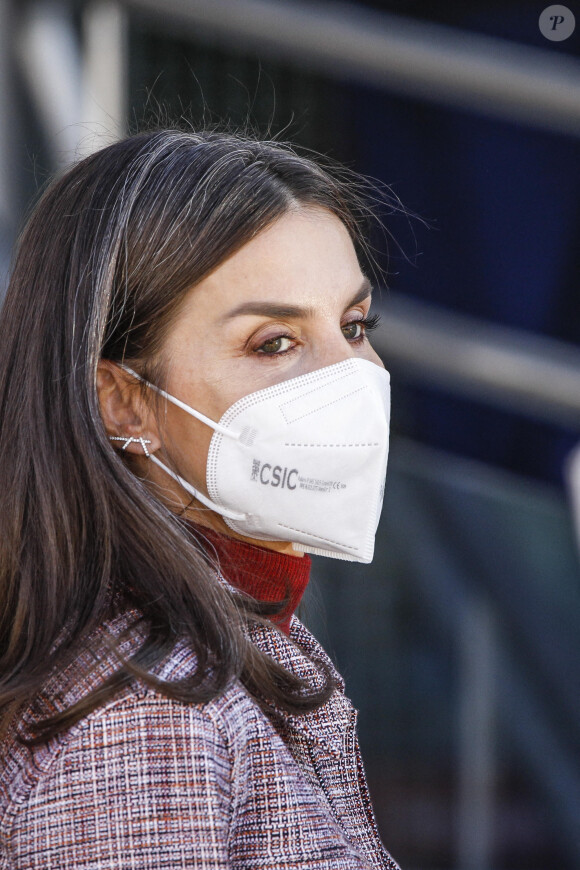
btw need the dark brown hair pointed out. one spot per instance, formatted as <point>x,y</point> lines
<point>106,258</point>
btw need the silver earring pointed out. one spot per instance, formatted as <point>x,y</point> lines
<point>142,441</point>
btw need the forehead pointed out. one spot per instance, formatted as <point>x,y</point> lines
<point>304,258</point>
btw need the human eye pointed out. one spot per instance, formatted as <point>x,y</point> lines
<point>274,346</point>
<point>356,330</point>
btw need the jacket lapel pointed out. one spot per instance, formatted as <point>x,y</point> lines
<point>328,727</point>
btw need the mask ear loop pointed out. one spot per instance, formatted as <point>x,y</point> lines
<point>224,512</point>
<point>217,427</point>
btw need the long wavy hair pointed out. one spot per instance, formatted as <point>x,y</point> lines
<point>105,260</point>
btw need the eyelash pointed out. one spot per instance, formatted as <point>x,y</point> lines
<point>368,324</point>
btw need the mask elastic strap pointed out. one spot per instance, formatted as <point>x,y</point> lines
<point>217,427</point>
<point>224,512</point>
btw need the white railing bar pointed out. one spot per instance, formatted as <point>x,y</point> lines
<point>49,56</point>
<point>104,73</point>
<point>482,73</point>
<point>508,367</point>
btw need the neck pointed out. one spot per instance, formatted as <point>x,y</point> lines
<point>264,573</point>
<point>213,522</point>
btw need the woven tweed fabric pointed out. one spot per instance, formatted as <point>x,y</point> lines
<point>149,783</point>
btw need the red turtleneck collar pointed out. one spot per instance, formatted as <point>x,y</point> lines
<point>264,574</point>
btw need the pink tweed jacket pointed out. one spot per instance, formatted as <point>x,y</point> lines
<point>149,783</point>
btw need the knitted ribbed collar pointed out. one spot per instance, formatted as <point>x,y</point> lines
<point>264,574</point>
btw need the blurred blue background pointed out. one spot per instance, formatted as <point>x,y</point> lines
<point>460,643</point>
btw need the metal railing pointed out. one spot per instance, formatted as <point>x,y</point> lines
<point>432,61</point>
<point>505,367</point>
<point>81,102</point>
<point>494,686</point>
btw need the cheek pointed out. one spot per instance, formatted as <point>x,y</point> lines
<point>187,441</point>
<point>372,356</point>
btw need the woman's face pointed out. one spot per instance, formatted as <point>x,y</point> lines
<point>290,301</point>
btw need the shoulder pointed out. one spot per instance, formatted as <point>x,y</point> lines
<point>140,775</point>
<point>128,782</point>
<point>143,724</point>
<point>142,730</point>
<point>132,734</point>
<point>163,746</point>
<point>148,778</point>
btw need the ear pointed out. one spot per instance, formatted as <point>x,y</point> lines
<point>123,410</point>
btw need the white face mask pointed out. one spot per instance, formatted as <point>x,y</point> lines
<point>302,461</point>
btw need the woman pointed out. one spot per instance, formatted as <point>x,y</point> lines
<point>188,404</point>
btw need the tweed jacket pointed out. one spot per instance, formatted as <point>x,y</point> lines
<point>150,783</point>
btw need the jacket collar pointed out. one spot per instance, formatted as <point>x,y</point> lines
<point>328,725</point>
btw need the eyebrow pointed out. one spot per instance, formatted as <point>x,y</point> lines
<point>275,309</point>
